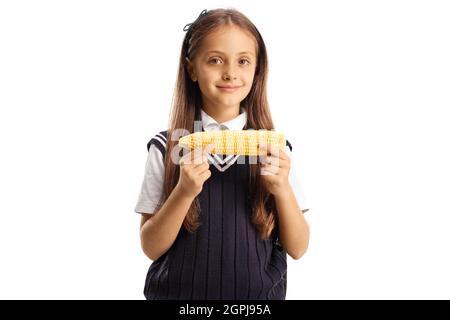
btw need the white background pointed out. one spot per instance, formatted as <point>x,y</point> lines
<point>361,88</point>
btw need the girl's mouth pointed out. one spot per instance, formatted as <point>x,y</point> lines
<point>229,88</point>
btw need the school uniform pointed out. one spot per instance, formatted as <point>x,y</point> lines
<point>224,258</point>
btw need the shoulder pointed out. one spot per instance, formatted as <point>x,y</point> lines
<point>159,140</point>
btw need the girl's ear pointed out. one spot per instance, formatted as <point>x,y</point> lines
<point>191,69</point>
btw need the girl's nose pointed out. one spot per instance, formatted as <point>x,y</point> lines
<point>229,76</point>
<point>230,72</point>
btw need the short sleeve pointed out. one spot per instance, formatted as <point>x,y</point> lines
<point>295,183</point>
<point>151,192</point>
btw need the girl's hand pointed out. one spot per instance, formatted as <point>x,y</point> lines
<point>194,171</point>
<point>275,169</point>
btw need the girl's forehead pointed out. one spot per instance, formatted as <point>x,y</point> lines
<point>229,39</point>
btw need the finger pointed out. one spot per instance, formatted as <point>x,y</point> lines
<point>201,169</point>
<point>203,157</point>
<point>201,162</point>
<point>185,160</point>
<point>205,153</point>
<point>188,159</point>
<point>270,149</point>
<point>273,149</point>
<point>198,156</point>
<point>282,153</point>
<point>205,175</point>
<point>271,169</point>
<point>265,172</point>
<point>209,148</point>
<point>263,149</point>
<point>272,160</point>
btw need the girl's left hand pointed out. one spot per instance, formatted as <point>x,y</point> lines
<point>275,169</point>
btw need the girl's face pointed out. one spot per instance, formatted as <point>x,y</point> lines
<point>224,66</point>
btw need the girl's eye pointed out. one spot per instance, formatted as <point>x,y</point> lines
<point>214,60</point>
<point>218,60</point>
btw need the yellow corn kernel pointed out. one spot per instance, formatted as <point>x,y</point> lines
<point>234,142</point>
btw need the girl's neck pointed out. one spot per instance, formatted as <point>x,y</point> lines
<point>222,113</point>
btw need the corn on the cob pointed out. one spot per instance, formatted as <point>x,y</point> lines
<point>234,142</point>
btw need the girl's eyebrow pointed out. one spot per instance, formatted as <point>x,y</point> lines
<point>244,52</point>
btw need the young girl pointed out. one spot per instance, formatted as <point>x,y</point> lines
<point>220,231</point>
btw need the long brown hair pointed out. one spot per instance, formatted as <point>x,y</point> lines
<point>186,108</point>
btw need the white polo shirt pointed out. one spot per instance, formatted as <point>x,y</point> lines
<point>152,184</point>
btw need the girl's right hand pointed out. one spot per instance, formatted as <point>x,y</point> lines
<point>194,171</point>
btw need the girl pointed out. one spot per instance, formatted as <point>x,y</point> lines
<point>220,231</point>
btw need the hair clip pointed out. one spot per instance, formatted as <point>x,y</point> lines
<point>186,27</point>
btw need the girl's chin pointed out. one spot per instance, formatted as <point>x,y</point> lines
<point>229,104</point>
<point>226,100</point>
